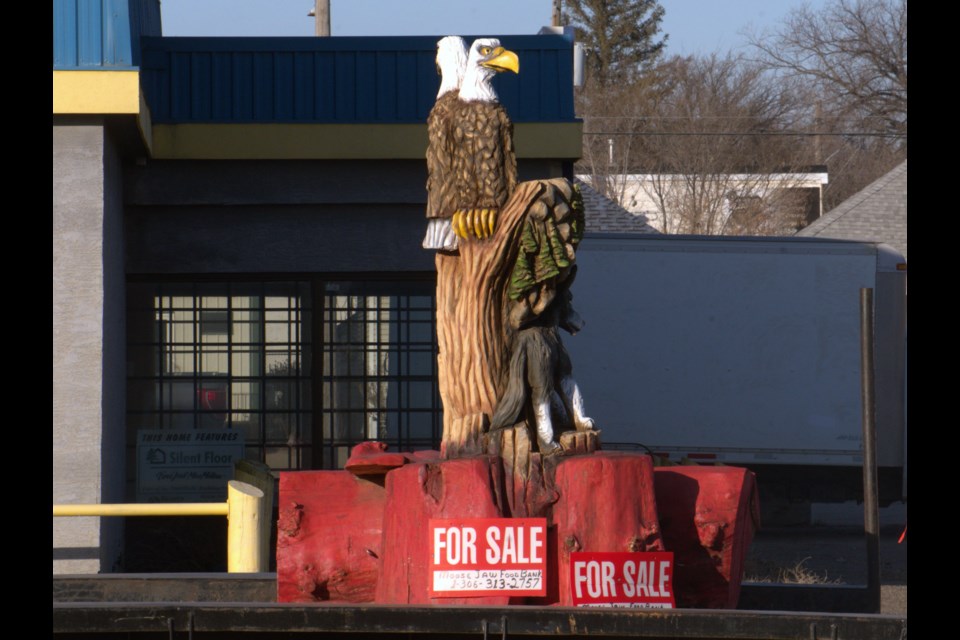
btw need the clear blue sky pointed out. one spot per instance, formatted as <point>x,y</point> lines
<point>694,26</point>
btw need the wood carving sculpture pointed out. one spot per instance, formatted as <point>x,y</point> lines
<point>516,441</point>
<point>503,292</point>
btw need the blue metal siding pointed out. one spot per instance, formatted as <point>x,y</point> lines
<point>406,81</point>
<point>242,87</point>
<point>65,34</point>
<point>325,99</point>
<point>221,86</point>
<point>90,33</point>
<point>200,86</point>
<point>387,88</point>
<point>303,93</point>
<point>180,75</point>
<point>366,86</point>
<point>283,87</point>
<point>426,77</point>
<point>144,21</point>
<point>117,43</point>
<point>262,87</point>
<point>355,79</point>
<point>344,88</point>
<point>98,34</point>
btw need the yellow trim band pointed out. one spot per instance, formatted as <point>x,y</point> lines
<point>271,141</point>
<point>561,140</point>
<point>100,92</point>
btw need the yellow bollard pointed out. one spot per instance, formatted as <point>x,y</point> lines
<point>245,508</point>
<point>258,474</point>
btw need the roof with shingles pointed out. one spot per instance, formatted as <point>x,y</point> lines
<point>605,215</point>
<point>876,213</point>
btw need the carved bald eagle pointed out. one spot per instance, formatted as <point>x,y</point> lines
<point>451,63</point>
<point>484,163</point>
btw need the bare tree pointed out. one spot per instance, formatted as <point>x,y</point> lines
<point>854,52</point>
<point>851,58</point>
<point>615,118</point>
<point>691,148</point>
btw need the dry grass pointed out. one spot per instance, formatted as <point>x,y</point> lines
<point>796,574</point>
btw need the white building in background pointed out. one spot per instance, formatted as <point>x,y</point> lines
<point>722,203</point>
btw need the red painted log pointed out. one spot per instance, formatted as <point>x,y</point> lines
<point>461,488</point>
<point>708,516</point>
<point>607,503</point>
<point>328,537</point>
<point>372,458</point>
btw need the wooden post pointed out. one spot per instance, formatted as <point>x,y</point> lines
<point>322,18</point>
<point>245,510</point>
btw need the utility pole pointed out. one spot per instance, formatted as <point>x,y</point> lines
<point>818,127</point>
<point>557,7</point>
<point>321,13</point>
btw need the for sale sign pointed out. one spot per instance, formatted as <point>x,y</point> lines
<point>488,556</point>
<point>622,579</point>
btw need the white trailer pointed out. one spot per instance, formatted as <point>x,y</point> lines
<point>744,351</point>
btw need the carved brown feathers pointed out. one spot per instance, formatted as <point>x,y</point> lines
<point>441,188</point>
<point>484,162</point>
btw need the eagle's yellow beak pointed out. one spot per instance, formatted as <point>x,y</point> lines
<point>503,60</point>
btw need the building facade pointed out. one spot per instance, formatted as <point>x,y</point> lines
<point>237,229</point>
<point>720,203</point>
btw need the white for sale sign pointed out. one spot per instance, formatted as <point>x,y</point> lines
<point>488,556</point>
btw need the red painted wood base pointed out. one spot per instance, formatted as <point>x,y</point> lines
<point>415,493</point>
<point>349,538</point>
<point>607,503</point>
<point>708,516</point>
<point>328,537</point>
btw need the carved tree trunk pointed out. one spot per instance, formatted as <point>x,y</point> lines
<point>473,340</point>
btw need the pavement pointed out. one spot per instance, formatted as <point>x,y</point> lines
<point>833,550</point>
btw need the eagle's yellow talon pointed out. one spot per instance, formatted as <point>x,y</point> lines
<point>492,221</point>
<point>478,222</point>
<point>461,224</point>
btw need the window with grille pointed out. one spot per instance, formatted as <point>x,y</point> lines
<point>305,368</point>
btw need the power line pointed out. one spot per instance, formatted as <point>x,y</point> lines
<point>861,134</point>
<point>662,117</point>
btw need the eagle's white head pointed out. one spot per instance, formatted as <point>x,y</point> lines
<point>485,59</point>
<point>451,63</point>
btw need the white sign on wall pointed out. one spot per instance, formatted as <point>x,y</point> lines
<point>186,466</point>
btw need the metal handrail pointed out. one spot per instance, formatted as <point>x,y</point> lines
<point>244,509</point>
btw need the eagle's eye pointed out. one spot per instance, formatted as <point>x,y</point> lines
<point>485,50</point>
